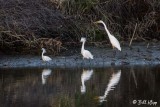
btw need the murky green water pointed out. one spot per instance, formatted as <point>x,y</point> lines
<point>102,87</point>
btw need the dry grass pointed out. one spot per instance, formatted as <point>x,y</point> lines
<point>28,24</point>
<point>120,16</point>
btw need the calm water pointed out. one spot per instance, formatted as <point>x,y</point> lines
<point>88,87</point>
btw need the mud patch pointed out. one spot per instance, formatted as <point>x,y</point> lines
<point>138,54</point>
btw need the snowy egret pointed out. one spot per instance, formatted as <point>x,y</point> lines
<point>45,74</point>
<point>86,54</point>
<point>115,43</point>
<point>111,85</point>
<point>45,58</point>
<point>86,75</point>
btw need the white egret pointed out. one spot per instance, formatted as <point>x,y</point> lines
<point>115,43</point>
<point>86,75</point>
<point>45,58</point>
<point>45,74</point>
<point>111,85</point>
<point>86,54</point>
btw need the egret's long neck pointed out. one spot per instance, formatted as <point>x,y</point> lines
<point>82,81</point>
<point>106,92</point>
<point>82,49</point>
<point>83,85</point>
<point>43,80</point>
<point>109,34</point>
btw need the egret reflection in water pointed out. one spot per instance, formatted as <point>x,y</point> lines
<point>45,74</point>
<point>23,87</point>
<point>111,85</point>
<point>86,75</point>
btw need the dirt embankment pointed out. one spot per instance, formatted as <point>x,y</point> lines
<point>138,54</point>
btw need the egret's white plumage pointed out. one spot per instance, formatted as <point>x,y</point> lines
<point>45,74</point>
<point>113,40</point>
<point>86,75</point>
<point>45,58</point>
<point>111,85</point>
<point>86,54</point>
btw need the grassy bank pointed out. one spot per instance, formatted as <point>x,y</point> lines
<point>26,26</point>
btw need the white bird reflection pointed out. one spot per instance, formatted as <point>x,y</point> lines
<point>86,75</point>
<point>45,74</point>
<point>111,85</point>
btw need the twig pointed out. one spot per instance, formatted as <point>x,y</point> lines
<point>147,45</point>
<point>133,34</point>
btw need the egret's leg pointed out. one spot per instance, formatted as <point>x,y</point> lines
<point>83,60</point>
<point>113,47</point>
<point>89,61</point>
<point>43,61</point>
<point>114,52</point>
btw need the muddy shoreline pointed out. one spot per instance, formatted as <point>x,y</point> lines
<point>138,54</point>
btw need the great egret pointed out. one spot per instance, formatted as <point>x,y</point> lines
<point>86,54</point>
<point>45,58</point>
<point>86,75</point>
<point>111,85</point>
<point>115,43</point>
<point>45,74</point>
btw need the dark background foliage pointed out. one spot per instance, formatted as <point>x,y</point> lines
<point>58,24</point>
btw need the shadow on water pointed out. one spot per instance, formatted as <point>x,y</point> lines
<point>97,87</point>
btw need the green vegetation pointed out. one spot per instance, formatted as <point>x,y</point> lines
<point>27,25</point>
